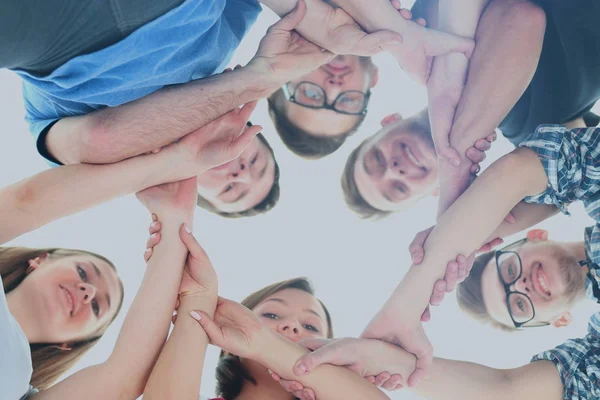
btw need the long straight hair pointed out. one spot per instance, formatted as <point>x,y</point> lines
<point>49,361</point>
<point>231,374</point>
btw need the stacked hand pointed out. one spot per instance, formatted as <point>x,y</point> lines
<point>179,197</point>
<point>284,55</point>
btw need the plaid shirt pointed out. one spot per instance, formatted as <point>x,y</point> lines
<point>571,159</point>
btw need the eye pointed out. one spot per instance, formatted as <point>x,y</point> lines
<point>228,188</point>
<point>511,271</point>
<point>312,93</point>
<point>82,273</point>
<point>95,307</point>
<point>521,305</point>
<point>349,100</point>
<point>253,160</point>
<point>271,316</point>
<point>311,328</point>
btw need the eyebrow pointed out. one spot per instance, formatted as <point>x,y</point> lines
<point>99,274</point>
<point>365,165</point>
<point>263,171</point>
<point>277,300</point>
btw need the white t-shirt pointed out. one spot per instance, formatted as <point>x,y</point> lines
<point>15,355</point>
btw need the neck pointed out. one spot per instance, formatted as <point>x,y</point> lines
<point>578,249</point>
<point>20,308</point>
<point>265,389</point>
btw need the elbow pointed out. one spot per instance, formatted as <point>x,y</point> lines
<point>96,141</point>
<point>524,15</point>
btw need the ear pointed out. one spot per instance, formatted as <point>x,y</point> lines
<point>562,320</point>
<point>35,263</point>
<point>391,119</point>
<point>537,235</point>
<point>374,76</point>
<point>436,192</point>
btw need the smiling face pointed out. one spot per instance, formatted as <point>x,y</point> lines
<point>71,298</point>
<point>294,314</point>
<point>240,184</point>
<point>551,278</point>
<point>397,166</point>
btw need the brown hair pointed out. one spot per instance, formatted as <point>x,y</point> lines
<point>264,206</point>
<point>469,294</point>
<point>231,374</point>
<point>299,141</point>
<point>49,361</point>
<point>354,200</point>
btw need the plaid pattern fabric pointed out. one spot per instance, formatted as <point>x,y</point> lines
<point>571,159</point>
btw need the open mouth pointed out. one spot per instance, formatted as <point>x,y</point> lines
<point>540,282</point>
<point>70,300</point>
<point>411,156</point>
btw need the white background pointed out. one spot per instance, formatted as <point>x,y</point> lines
<point>355,264</point>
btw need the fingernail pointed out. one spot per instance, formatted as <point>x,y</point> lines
<point>147,251</point>
<point>154,224</point>
<point>195,315</point>
<point>455,162</point>
<point>154,217</point>
<point>187,228</point>
<point>301,369</point>
<point>153,236</point>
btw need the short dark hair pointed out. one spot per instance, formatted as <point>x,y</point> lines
<point>264,206</point>
<point>299,141</point>
<point>354,200</point>
<point>469,294</point>
<point>231,374</point>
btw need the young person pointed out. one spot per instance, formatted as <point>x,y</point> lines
<point>256,335</point>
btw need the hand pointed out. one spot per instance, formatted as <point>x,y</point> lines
<point>234,328</point>
<point>221,140</point>
<point>406,13</point>
<point>178,196</point>
<point>409,336</point>
<point>283,55</point>
<point>420,45</point>
<point>370,359</point>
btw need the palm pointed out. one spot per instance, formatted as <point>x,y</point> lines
<point>237,325</point>
<point>180,195</point>
<point>223,139</point>
<point>199,276</point>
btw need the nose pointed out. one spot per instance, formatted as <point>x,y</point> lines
<point>523,285</point>
<point>399,167</point>
<point>85,292</point>
<point>289,329</point>
<point>241,173</point>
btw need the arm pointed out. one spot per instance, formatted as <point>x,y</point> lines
<point>52,194</point>
<point>526,215</point>
<point>503,65</point>
<point>124,374</point>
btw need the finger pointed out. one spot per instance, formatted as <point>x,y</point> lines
<point>154,217</point>
<point>174,318</point>
<point>424,351</point>
<point>290,21</point>
<point>439,291</point>
<point>153,240</point>
<point>291,386</point>
<point>426,316</point>
<point>247,110</point>
<point>376,42</point>
<point>147,254</point>
<point>423,23</point>
<point>155,226</point>
<point>196,251</point>
<point>406,14</point>
<point>397,4</point>
<point>244,140</point>
<point>492,138</point>
<point>483,145</point>
<point>309,361</point>
<point>475,155</point>
<point>212,330</point>
<point>371,379</point>
<point>392,382</point>
<point>382,378</point>
<point>275,377</point>
<point>416,246</point>
<point>475,168</point>
<point>451,276</point>
<point>306,394</point>
<point>510,218</point>
<point>462,268</point>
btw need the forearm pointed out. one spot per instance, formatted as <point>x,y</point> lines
<point>113,134</point>
<point>147,323</point>
<point>279,355</point>
<point>55,193</point>
<point>178,371</point>
<point>374,15</point>
<point>476,214</point>
<point>526,215</point>
<point>501,68</point>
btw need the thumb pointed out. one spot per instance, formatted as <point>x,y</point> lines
<point>196,251</point>
<point>322,355</point>
<point>210,327</point>
<point>376,42</point>
<point>244,140</point>
<point>290,21</point>
<point>423,350</point>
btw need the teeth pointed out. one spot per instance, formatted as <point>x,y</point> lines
<point>69,299</point>
<point>410,155</point>
<point>542,282</point>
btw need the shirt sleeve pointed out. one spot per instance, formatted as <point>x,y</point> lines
<point>571,159</point>
<point>578,363</point>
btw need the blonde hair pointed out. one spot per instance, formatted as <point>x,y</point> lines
<point>48,359</point>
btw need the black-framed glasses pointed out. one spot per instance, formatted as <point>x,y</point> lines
<point>510,269</point>
<point>311,95</point>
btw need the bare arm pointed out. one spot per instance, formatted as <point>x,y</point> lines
<point>53,194</point>
<point>500,70</point>
<point>124,374</point>
<point>113,134</point>
<point>526,216</point>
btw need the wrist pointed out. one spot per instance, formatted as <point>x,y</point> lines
<point>263,344</point>
<point>197,302</point>
<point>262,76</point>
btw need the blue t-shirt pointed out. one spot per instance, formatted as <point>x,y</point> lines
<point>192,41</point>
